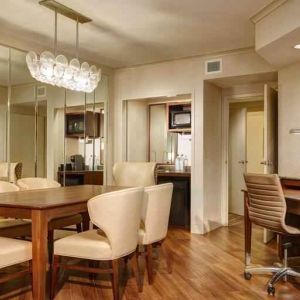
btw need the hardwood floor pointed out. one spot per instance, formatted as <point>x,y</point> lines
<point>204,267</point>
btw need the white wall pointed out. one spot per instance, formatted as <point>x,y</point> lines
<point>212,156</point>
<point>288,118</point>
<point>180,77</point>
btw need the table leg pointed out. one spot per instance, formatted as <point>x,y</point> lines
<point>39,254</point>
<point>85,221</point>
<point>248,230</point>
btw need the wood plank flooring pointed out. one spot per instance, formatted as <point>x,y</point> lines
<point>204,267</point>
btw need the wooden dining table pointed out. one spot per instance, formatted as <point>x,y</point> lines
<point>42,206</point>
<point>292,197</point>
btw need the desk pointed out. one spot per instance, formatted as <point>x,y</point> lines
<point>292,197</point>
<point>41,206</point>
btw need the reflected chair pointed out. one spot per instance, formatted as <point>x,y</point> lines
<point>131,174</point>
<point>118,215</point>
<point>155,219</point>
<point>12,228</point>
<point>267,208</point>
<point>14,252</point>
<point>34,183</point>
<point>15,171</point>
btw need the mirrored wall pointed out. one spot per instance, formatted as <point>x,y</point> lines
<point>46,131</point>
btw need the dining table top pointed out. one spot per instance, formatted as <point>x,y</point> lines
<point>55,197</point>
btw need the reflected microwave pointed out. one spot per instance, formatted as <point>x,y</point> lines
<point>180,117</point>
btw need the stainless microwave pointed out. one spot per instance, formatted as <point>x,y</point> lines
<point>180,119</point>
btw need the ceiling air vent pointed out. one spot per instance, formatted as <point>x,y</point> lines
<point>41,92</point>
<point>213,66</point>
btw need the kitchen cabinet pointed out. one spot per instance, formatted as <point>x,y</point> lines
<point>81,177</point>
<point>181,200</point>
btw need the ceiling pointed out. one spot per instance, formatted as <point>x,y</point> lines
<point>132,32</point>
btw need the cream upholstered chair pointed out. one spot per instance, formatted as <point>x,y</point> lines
<point>131,174</point>
<point>13,252</point>
<point>155,221</point>
<point>118,215</point>
<point>8,187</point>
<point>267,208</point>
<point>34,183</point>
<point>15,171</point>
<point>11,227</point>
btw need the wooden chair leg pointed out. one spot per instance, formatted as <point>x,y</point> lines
<point>78,227</point>
<point>50,245</point>
<point>149,263</point>
<point>135,268</point>
<point>54,277</point>
<point>167,255</point>
<point>115,278</point>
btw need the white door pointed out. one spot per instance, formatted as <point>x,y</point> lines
<point>270,138</point>
<point>270,127</point>
<point>237,159</point>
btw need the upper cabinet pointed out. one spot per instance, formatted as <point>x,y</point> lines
<point>179,117</point>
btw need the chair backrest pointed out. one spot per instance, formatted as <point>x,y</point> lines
<point>118,214</point>
<point>8,187</point>
<point>134,174</point>
<point>15,171</point>
<point>267,205</point>
<point>34,183</point>
<point>156,211</point>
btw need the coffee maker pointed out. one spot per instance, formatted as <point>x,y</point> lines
<point>77,161</point>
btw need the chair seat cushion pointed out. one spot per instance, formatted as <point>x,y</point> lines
<point>14,252</point>
<point>88,245</point>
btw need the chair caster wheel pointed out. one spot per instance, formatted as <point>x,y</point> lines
<point>247,275</point>
<point>271,290</point>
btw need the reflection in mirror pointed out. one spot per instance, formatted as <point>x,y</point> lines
<point>28,119</point>
<point>80,157</point>
<point>4,75</point>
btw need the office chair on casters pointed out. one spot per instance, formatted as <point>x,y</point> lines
<point>267,208</point>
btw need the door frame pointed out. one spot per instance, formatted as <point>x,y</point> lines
<point>226,101</point>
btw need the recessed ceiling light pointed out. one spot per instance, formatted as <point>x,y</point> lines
<point>297,46</point>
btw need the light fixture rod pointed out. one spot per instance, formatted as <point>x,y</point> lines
<point>65,11</point>
<point>77,39</point>
<point>55,32</point>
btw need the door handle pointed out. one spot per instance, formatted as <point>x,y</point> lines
<point>241,162</point>
<point>263,162</point>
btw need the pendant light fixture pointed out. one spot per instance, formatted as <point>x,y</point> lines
<point>55,69</point>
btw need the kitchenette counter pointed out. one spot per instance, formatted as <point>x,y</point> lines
<point>173,173</point>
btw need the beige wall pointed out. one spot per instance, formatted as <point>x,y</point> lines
<point>180,77</point>
<point>212,156</point>
<point>288,118</point>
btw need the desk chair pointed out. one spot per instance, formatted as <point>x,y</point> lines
<point>267,208</point>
